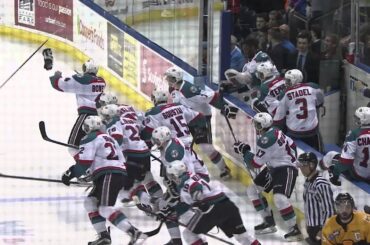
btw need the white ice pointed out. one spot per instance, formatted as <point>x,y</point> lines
<point>33,212</point>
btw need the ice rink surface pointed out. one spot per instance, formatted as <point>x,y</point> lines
<point>39,213</point>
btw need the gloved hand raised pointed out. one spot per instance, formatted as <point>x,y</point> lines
<point>229,111</point>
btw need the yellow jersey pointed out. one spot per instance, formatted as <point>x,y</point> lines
<point>357,232</point>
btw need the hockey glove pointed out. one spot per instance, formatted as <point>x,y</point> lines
<point>48,58</point>
<point>57,74</point>
<point>334,179</point>
<point>229,111</point>
<point>67,176</point>
<point>241,148</point>
<point>163,213</point>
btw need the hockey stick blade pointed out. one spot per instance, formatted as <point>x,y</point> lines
<point>155,231</point>
<point>41,179</point>
<point>46,138</point>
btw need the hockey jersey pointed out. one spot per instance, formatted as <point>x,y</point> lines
<point>357,232</point>
<point>176,150</point>
<point>176,117</point>
<point>190,183</point>
<point>298,107</point>
<point>196,98</point>
<point>355,152</point>
<point>99,153</point>
<point>126,132</point>
<point>270,91</point>
<point>87,88</point>
<point>274,149</point>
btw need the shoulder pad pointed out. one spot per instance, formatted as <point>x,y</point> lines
<point>174,151</point>
<point>353,134</point>
<point>268,139</point>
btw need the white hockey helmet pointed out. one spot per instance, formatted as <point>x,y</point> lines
<point>161,135</point>
<point>362,116</point>
<point>293,77</point>
<point>262,121</point>
<point>92,123</point>
<point>159,96</point>
<point>176,168</point>
<point>173,75</point>
<point>107,98</point>
<point>107,112</point>
<point>90,67</point>
<point>265,70</point>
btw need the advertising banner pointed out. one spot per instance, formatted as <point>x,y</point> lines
<point>90,33</point>
<point>152,69</point>
<point>131,61</point>
<point>115,49</point>
<point>51,16</point>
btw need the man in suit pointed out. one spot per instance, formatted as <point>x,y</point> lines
<point>304,60</point>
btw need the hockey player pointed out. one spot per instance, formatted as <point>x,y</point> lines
<point>209,206</point>
<point>317,196</point>
<point>125,131</point>
<point>348,226</point>
<point>200,100</point>
<point>173,149</point>
<point>297,109</point>
<point>87,88</point>
<point>275,152</point>
<point>272,86</point>
<point>181,120</point>
<point>100,157</point>
<point>354,158</point>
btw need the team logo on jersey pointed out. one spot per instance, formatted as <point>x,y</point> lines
<point>333,235</point>
<point>174,153</point>
<point>193,89</point>
<point>264,140</point>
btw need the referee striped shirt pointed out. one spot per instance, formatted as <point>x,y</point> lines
<point>318,200</point>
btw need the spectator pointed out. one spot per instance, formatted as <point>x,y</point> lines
<point>317,196</point>
<point>298,5</point>
<point>275,19</point>
<point>316,40</point>
<point>284,29</point>
<point>331,51</point>
<point>303,60</point>
<point>261,30</point>
<point>237,59</point>
<point>366,56</point>
<point>250,48</point>
<point>276,51</point>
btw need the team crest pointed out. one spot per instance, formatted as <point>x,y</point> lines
<point>193,89</point>
<point>174,153</point>
<point>264,140</point>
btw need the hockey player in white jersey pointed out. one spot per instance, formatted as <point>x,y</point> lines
<point>87,88</point>
<point>276,155</point>
<point>272,85</point>
<point>125,131</point>
<point>172,149</point>
<point>181,120</point>
<point>100,157</point>
<point>354,158</point>
<point>200,100</point>
<point>297,109</point>
<point>210,207</point>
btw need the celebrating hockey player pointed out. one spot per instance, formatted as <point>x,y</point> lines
<point>276,152</point>
<point>348,226</point>
<point>87,88</point>
<point>125,131</point>
<point>192,96</point>
<point>100,156</point>
<point>354,159</point>
<point>209,206</point>
<point>298,109</point>
<point>271,87</point>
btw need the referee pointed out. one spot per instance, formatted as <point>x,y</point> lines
<point>317,196</point>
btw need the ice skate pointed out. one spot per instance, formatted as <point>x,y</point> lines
<point>268,226</point>
<point>137,237</point>
<point>104,239</point>
<point>294,235</point>
<point>226,174</point>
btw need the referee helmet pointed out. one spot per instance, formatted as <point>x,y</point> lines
<point>307,158</point>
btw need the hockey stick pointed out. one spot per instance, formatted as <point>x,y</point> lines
<point>183,225</point>
<point>231,129</point>
<point>46,138</point>
<point>7,80</point>
<point>43,179</point>
<point>155,231</point>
